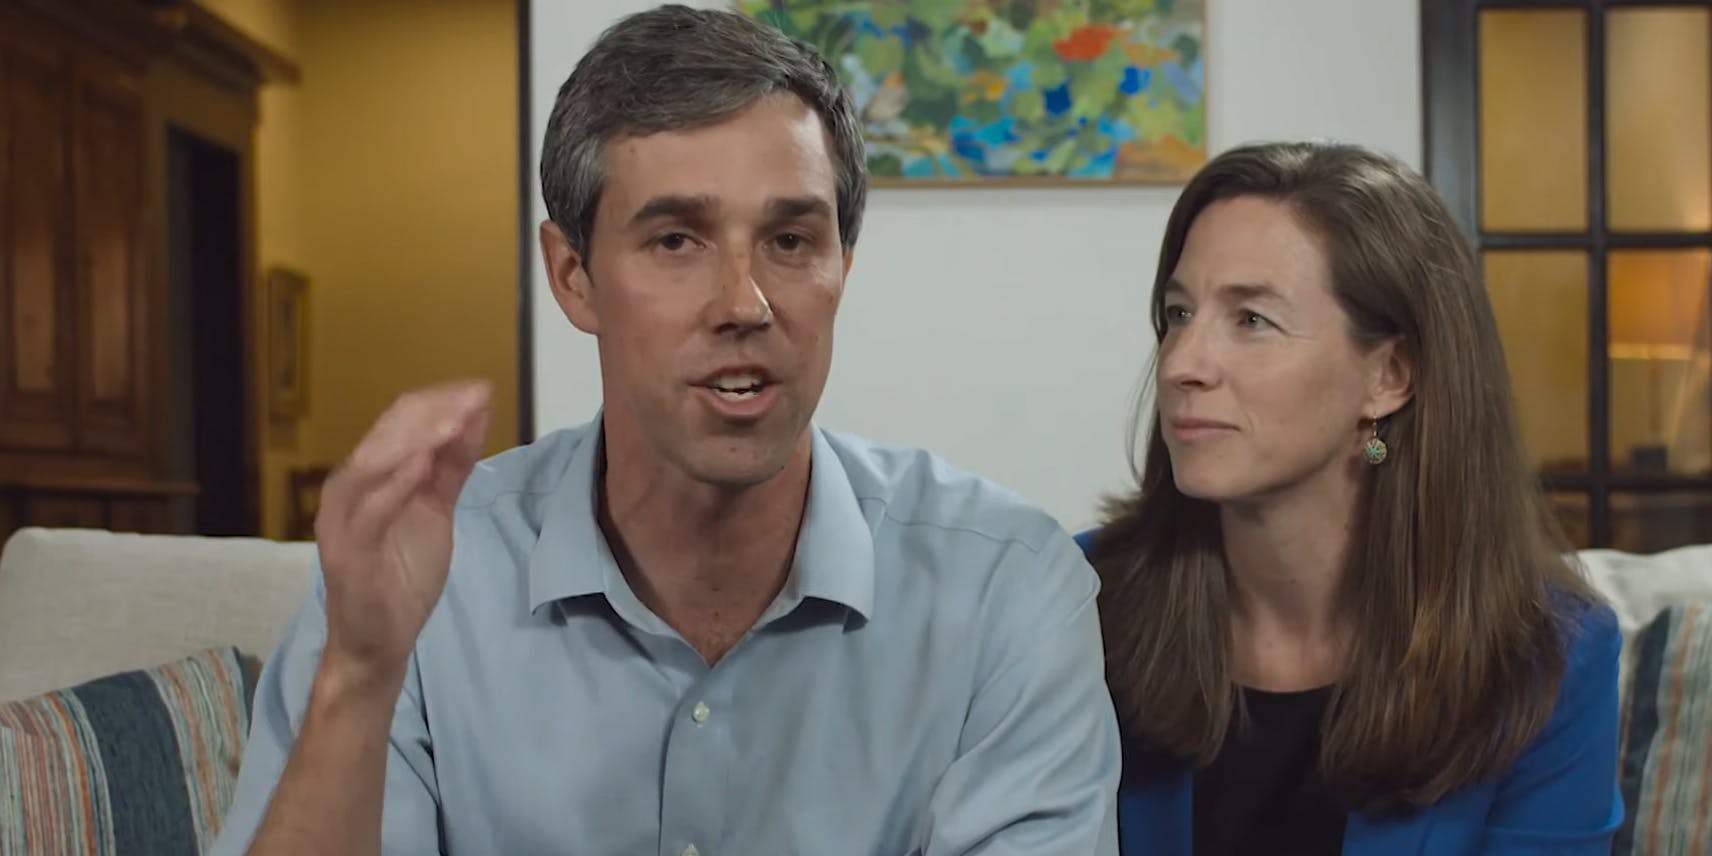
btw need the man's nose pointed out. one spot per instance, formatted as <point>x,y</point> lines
<point>739,304</point>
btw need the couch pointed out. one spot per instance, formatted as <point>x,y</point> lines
<point>77,605</point>
<point>126,668</point>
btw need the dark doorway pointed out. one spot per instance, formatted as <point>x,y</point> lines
<point>210,435</point>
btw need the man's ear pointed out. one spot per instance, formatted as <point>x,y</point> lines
<point>1391,381</point>
<point>568,278</point>
<point>849,258</point>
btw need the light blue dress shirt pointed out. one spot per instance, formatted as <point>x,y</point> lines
<point>930,681</point>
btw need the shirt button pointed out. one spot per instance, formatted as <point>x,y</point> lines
<point>699,714</point>
<point>690,850</point>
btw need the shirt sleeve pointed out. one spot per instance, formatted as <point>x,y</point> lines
<point>410,817</point>
<point>1562,796</point>
<point>1038,762</point>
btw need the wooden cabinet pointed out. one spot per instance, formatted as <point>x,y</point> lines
<point>86,326</point>
<point>74,314</point>
<point>72,293</point>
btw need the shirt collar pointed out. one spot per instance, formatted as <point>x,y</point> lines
<point>834,558</point>
<point>571,556</point>
<point>835,547</point>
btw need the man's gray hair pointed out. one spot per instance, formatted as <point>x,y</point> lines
<point>676,68</point>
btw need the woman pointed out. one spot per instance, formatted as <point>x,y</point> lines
<point>1337,612</point>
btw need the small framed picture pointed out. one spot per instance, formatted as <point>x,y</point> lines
<point>287,294</point>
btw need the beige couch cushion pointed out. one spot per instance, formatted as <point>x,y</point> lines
<point>80,604</point>
<point>1640,586</point>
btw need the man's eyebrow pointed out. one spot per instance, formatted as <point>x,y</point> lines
<point>793,207</point>
<point>673,206</point>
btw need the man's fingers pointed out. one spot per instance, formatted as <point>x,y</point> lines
<point>418,424</point>
<point>454,461</point>
<point>466,446</point>
<point>375,508</point>
<point>422,420</point>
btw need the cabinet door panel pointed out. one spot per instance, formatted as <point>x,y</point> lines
<point>37,403</point>
<point>107,170</point>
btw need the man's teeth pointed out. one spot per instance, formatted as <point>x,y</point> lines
<point>743,383</point>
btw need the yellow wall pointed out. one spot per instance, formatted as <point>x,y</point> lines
<point>409,169</point>
<point>389,176</point>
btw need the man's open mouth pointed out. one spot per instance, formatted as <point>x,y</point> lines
<point>738,386</point>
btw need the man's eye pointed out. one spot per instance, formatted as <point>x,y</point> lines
<point>673,242</point>
<point>790,242</point>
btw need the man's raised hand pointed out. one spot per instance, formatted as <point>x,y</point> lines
<point>384,530</point>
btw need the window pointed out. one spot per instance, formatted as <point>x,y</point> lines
<point>1573,142</point>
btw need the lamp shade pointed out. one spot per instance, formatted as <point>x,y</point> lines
<point>1657,301</point>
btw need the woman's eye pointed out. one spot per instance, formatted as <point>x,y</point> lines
<point>1254,319</point>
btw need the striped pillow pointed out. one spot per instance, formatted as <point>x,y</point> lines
<point>134,763</point>
<point>1667,742</point>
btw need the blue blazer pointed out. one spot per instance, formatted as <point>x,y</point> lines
<point>1560,797</point>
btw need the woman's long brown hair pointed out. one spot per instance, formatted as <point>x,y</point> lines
<point>1457,582</point>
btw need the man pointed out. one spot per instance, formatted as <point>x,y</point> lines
<point>698,624</point>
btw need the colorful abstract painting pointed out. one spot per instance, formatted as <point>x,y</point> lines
<point>1016,90</point>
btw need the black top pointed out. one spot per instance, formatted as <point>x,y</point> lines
<point>1263,793</point>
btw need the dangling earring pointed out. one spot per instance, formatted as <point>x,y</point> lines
<point>1374,450</point>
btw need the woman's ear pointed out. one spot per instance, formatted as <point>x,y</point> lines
<point>1391,379</point>
<point>568,277</point>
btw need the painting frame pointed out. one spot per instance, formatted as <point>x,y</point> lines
<point>303,485</point>
<point>1130,141</point>
<point>286,292</point>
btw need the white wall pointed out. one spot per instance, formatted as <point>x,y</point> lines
<point>1030,302</point>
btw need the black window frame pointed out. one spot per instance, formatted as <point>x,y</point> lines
<point>1450,78</point>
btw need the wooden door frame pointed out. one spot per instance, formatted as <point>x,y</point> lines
<point>210,88</point>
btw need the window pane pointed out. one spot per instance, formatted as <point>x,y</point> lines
<point>1650,522</point>
<point>1571,510</point>
<point>1540,300</point>
<point>1658,96</point>
<point>1661,400</point>
<point>1533,119</point>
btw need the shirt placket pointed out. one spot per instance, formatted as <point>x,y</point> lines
<point>693,787</point>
